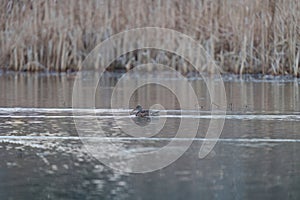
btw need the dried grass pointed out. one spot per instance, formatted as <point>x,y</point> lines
<point>243,36</point>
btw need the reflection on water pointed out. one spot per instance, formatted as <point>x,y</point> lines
<point>42,156</point>
<point>33,90</point>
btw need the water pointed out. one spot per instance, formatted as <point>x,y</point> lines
<point>42,157</point>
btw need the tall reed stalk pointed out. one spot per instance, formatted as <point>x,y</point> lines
<point>243,36</point>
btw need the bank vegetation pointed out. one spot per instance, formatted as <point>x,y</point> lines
<point>242,36</point>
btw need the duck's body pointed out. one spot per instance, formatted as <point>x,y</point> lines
<point>140,112</point>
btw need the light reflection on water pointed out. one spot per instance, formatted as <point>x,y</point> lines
<point>257,156</point>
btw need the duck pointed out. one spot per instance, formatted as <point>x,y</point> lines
<point>140,112</point>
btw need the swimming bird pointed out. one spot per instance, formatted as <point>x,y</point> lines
<point>140,112</point>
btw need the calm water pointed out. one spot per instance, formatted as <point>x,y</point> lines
<point>42,157</point>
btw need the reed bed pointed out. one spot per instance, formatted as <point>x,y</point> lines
<point>242,36</point>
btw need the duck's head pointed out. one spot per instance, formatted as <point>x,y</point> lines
<point>138,108</point>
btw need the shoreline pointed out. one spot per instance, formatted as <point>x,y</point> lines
<point>191,76</point>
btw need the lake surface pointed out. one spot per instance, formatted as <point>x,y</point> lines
<point>43,157</point>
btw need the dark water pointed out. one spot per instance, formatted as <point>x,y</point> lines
<point>42,157</point>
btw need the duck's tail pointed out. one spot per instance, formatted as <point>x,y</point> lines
<point>154,113</point>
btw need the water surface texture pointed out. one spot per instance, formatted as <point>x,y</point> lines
<point>43,157</point>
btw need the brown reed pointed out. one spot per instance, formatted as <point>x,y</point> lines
<point>242,36</point>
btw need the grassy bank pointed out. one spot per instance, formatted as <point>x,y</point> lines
<point>243,36</point>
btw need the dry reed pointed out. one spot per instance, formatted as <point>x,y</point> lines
<point>243,36</point>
